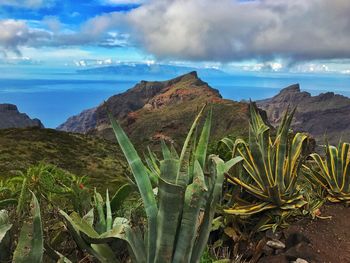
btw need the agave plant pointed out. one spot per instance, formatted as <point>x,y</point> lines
<point>270,167</point>
<point>332,173</point>
<point>180,213</point>
<point>5,240</point>
<point>90,228</point>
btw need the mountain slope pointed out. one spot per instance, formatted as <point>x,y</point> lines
<point>165,109</point>
<point>325,114</point>
<point>10,117</point>
<point>79,154</point>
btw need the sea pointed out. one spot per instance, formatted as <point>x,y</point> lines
<point>52,94</point>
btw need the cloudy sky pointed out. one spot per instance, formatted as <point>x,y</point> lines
<point>291,33</point>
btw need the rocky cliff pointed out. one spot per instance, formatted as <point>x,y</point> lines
<point>10,117</point>
<point>326,114</point>
<point>80,123</point>
<point>163,110</point>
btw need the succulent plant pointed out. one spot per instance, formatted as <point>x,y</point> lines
<point>179,214</point>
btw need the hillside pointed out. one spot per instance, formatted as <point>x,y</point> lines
<point>80,154</point>
<point>163,110</point>
<point>325,114</point>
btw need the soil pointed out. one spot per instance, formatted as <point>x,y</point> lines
<point>329,238</point>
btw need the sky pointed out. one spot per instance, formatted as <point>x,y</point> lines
<point>296,35</point>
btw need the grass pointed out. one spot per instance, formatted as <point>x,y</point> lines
<point>82,155</point>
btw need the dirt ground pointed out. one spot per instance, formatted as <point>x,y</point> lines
<point>329,238</point>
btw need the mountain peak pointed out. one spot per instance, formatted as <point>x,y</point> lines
<point>295,88</point>
<point>10,117</point>
<point>146,95</point>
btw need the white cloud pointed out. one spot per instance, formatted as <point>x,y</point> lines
<point>203,30</point>
<point>15,33</point>
<point>227,30</point>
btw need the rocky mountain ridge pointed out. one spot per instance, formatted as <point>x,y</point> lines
<point>162,109</point>
<point>327,114</point>
<point>10,117</point>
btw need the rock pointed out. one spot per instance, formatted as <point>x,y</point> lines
<point>276,244</point>
<point>147,94</point>
<point>267,250</point>
<point>318,115</point>
<point>274,259</point>
<point>10,117</point>
<point>81,123</point>
<point>154,110</point>
<point>301,250</point>
<point>273,235</point>
<point>294,238</point>
<point>300,260</point>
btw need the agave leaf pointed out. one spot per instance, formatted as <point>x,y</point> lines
<point>165,150</point>
<point>5,225</point>
<point>188,229</point>
<point>101,222</point>
<point>108,213</point>
<point>201,150</point>
<point>30,246</point>
<point>89,217</point>
<point>251,209</point>
<point>182,176</point>
<point>120,196</point>
<point>218,167</point>
<point>170,207</point>
<point>143,182</point>
<point>78,227</point>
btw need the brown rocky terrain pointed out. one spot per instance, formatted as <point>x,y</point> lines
<point>164,110</point>
<point>10,117</point>
<point>325,114</point>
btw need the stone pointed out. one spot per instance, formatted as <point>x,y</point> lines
<point>300,260</point>
<point>276,244</point>
<point>301,250</point>
<point>273,235</point>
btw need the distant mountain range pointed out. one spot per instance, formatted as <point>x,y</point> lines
<point>137,69</point>
<point>327,114</point>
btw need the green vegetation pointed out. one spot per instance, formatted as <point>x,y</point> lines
<point>81,155</point>
<point>271,168</point>
<point>333,173</point>
<point>187,206</point>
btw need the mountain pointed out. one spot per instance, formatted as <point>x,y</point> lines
<point>10,117</point>
<point>127,69</point>
<point>163,110</point>
<point>325,114</point>
<point>81,123</point>
<point>83,155</point>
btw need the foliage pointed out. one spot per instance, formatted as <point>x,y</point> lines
<point>185,196</point>
<point>332,173</point>
<point>87,225</point>
<point>30,246</point>
<point>52,184</point>
<point>270,170</point>
<point>79,154</point>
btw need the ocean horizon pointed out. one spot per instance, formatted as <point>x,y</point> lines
<point>54,94</point>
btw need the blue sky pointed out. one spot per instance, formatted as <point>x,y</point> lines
<point>295,35</point>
